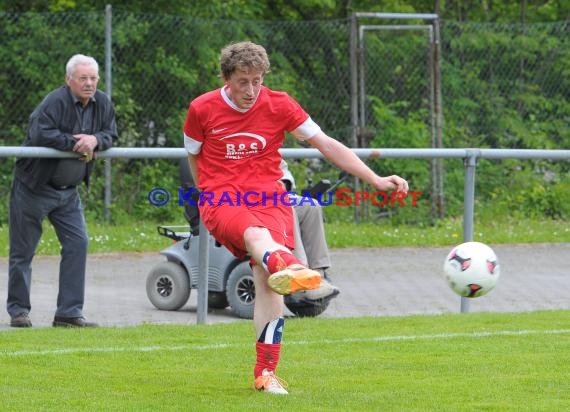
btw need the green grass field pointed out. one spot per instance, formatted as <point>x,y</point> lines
<point>458,362</point>
<point>135,236</point>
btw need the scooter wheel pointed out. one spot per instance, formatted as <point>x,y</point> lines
<point>240,291</point>
<point>168,286</point>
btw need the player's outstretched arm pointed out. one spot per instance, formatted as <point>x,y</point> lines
<point>344,158</point>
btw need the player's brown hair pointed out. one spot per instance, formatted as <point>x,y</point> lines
<point>244,56</point>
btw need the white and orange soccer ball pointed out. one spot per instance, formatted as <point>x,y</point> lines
<point>471,269</point>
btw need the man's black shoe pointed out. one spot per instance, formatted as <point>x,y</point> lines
<point>80,322</point>
<point>21,321</point>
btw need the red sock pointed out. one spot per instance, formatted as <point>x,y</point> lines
<point>267,357</point>
<point>278,260</point>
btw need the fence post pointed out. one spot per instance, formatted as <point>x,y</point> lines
<point>203,269</point>
<point>354,93</point>
<point>438,110</point>
<point>470,164</point>
<point>109,87</point>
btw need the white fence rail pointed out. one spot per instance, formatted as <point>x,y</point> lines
<point>469,156</point>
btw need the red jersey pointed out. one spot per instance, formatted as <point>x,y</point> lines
<point>238,150</point>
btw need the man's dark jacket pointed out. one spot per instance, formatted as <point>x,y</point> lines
<point>53,124</point>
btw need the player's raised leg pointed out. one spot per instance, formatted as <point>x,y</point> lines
<point>288,274</point>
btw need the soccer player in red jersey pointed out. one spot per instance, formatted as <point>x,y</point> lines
<point>232,136</point>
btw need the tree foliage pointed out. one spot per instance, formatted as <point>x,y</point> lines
<point>506,82</point>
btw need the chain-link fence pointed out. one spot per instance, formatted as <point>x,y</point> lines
<point>161,62</point>
<point>502,86</point>
<point>518,69</point>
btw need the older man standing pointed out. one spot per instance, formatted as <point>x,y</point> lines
<point>78,118</point>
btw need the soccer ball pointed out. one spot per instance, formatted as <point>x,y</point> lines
<point>471,269</point>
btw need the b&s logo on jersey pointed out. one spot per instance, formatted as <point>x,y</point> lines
<point>243,145</point>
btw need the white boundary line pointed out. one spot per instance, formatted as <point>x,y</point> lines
<point>68,351</point>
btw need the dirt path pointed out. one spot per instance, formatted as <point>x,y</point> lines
<point>376,282</point>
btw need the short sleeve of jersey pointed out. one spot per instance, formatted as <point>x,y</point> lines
<point>306,130</point>
<point>193,134</point>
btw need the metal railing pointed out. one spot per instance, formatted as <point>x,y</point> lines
<point>470,157</point>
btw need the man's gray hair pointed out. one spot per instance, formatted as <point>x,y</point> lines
<point>80,59</point>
